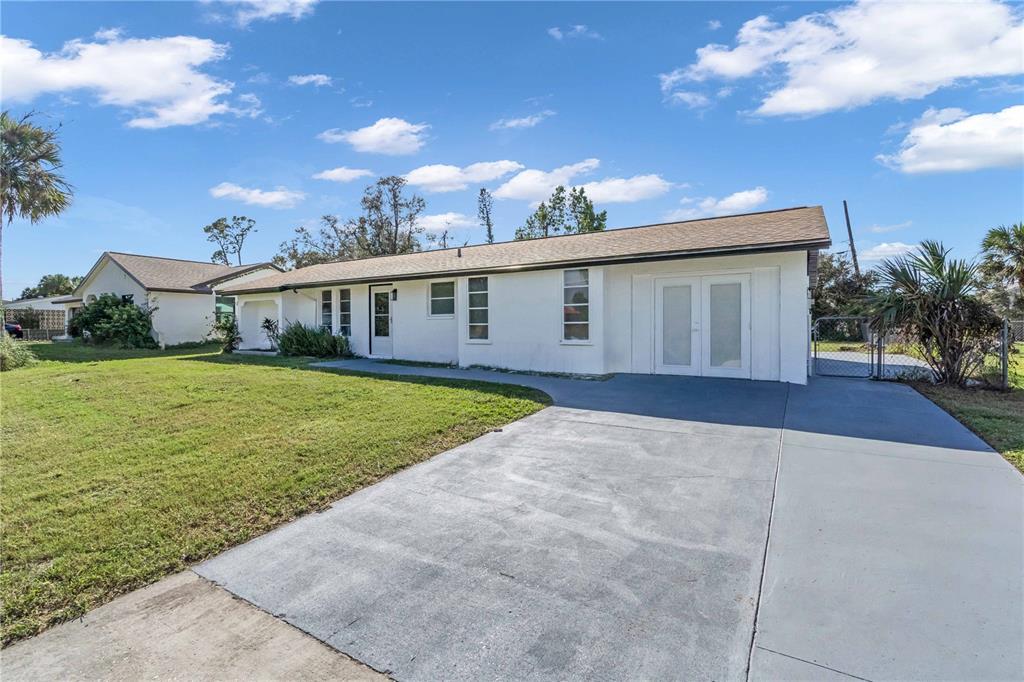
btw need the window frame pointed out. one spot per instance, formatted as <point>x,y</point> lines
<point>327,299</point>
<point>469,293</point>
<point>342,315</point>
<point>563,305</point>
<point>431,298</point>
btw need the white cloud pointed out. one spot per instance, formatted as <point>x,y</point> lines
<point>574,31</point>
<point>446,221</point>
<point>247,11</point>
<point>694,100</point>
<point>884,229</point>
<point>445,178</point>
<point>394,136</point>
<point>714,25</point>
<point>524,122</point>
<point>158,79</point>
<point>743,201</point>
<point>343,174</point>
<point>536,185</point>
<point>274,198</point>
<point>886,250</point>
<point>856,54</point>
<point>316,79</point>
<point>626,190</point>
<point>951,140</point>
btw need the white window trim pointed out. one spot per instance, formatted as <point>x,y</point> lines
<point>454,297</point>
<point>479,342</point>
<point>589,341</point>
<point>337,312</point>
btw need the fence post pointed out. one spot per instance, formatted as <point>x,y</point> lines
<point>1004,355</point>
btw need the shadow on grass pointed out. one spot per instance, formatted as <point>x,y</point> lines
<point>304,364</point>
<point>77,351</point>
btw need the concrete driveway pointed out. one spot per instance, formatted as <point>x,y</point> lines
<point>624,535</point>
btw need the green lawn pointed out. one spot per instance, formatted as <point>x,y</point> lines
<point>996,416</point>
<point>120,467</point>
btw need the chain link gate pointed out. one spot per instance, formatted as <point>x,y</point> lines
<point>846,346</point>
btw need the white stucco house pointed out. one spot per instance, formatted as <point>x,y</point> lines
<point>183,292</point>
<point>725,297</point>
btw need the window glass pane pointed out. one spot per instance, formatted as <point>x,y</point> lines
<point>576,313</point>
<point>726,332</point>
<point>345,294</point>
<point>478,300</point>
<point>577,295</point>
<point>381,326</point>
<point>478,284</point>
<point>345,307</point>
<point>577,332</point>
<point>345,330</point>
<point>442,306</point>
<point>442,289</point>
<point>576,277</point>
<point>478,316</point>
<point>676,336</point>
<point>380,302</point>
<point>478,331</point>
<point>325,295</point>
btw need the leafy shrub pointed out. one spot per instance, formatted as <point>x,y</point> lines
<point>272,330</point>
<point>298,339</point>
<point>225,332</point>
<point>109,319</point>
<point>14,354</point>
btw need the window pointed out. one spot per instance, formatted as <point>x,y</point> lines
<point>224,307</point>
<point>326,310</point>
<point>576,305</point>
<point>128,299</point>
<point>345,312</point>
<point>442,299</point>
<point>381,314</point>
<point>478,319</point>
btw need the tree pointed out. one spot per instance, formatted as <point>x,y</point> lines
<point>484,204</point>
<point>839,290</point>
<point>31,184</point>
<point>931,299</point>
<point>563,213</point>
<point>51,285</point>
<point>389,225</point>
<point>229,237</point>
<point>1002,266</point>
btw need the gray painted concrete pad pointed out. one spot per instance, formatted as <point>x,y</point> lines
<point>181,628</point>
<point>573,544</point>
<point>891,557</point>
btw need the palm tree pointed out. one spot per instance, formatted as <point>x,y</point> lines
<point>31,185</point>
<point>931,299</point>
<point>1002,253</point>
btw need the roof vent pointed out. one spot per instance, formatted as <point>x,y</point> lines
<point>459,252</point>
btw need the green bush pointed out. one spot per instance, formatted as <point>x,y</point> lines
<point>225,332</point>
<point>298,339</point>
<point>109,319</point>
<point>14,354</point>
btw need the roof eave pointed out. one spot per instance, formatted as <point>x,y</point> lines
<point>802,245</point>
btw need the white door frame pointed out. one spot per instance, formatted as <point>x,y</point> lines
<point>378,347</point>
<point>660,367</point>
<point>743,371</point>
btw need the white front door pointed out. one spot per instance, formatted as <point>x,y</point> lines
<point>380,300</point>
<point>677,325</point>
<point>725,326</point>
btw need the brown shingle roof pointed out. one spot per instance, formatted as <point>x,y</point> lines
<point>172,274</point>
<point>770,230</point>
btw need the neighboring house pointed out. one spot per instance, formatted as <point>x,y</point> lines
<point>182,292</point>
<point>46,320</point>
<point>725,297</point>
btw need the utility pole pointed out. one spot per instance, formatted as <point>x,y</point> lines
<point>853,248</point>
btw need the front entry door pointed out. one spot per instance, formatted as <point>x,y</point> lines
<point>677,325</point>
<point>702,325</point>
<point>725,326</point>
<point>382,323</point>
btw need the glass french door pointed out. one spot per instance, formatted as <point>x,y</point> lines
<point>702,325</point>
<point>677,326</point>
<point>725,326</point>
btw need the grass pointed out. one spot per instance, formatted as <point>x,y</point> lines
<point>120,467</point>
<point>996,416</point>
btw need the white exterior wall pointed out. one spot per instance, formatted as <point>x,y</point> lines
<point>525,317</point>
<point>181,318</point>
<point>111,279</point>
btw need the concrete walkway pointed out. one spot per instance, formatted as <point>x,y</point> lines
<point>644,527</point>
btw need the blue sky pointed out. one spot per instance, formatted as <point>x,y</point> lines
<point>174,114</point>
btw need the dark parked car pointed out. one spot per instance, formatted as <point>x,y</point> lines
<point>14,330</point>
